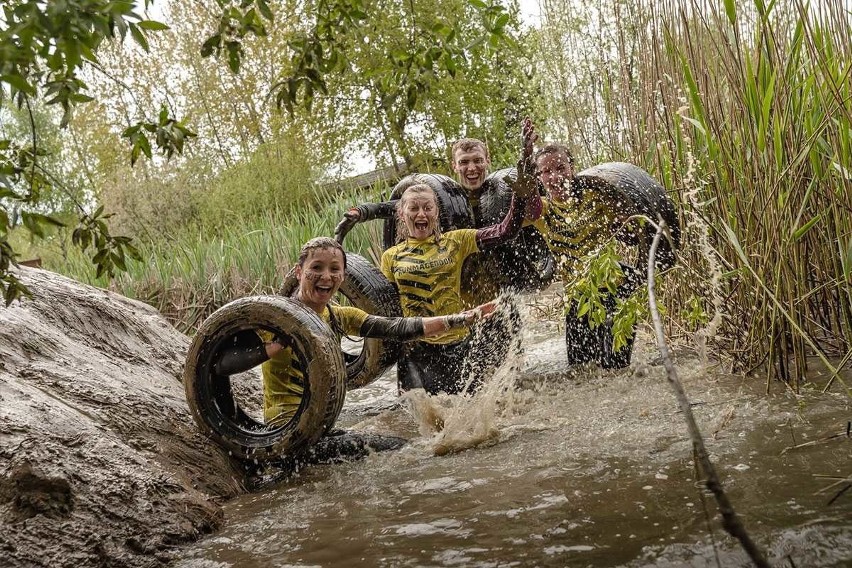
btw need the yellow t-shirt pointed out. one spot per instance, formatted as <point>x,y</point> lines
<point>284,373</point>
<point>574,230</point>
<point>428,276</point>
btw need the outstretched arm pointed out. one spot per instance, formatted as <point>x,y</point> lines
<point>405,329</point>
<point>361,213</point>
<point>246,351</point>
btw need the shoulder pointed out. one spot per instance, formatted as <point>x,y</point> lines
<point>346,310</point>
<point>350,316</point>
<point>389,253</point>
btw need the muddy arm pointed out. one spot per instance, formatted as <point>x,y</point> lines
<point>247,351</point>
<point>361,213</point>
<point>507,229</point>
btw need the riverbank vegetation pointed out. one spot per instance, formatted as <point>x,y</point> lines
<point>742,110</point>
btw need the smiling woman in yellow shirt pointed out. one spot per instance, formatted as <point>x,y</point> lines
<point>320,271</point>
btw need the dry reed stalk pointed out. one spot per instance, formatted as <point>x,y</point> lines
<point>730,520</point>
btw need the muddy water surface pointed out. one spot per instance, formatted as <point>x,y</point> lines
<point>588,468</point>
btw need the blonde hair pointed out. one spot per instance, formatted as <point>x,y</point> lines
<point>416,190</point>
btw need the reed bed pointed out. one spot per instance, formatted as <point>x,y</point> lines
<point>195,271</point>
<point>743,110</point>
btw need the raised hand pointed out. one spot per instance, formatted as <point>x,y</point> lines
<point>350,219</point>
<point>526,185</point>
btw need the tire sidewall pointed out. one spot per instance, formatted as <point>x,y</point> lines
<point>207,393</point>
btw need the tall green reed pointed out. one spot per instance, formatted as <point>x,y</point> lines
<point>748,107</point>
<point>199,269</point>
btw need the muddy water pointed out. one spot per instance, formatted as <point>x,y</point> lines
<point>587,468</point>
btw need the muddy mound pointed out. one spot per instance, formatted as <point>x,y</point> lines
<point>100,461</point>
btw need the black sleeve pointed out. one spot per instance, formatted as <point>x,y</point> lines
<point>403,329</point>
<point>245,351</point>
<point>370,211</point>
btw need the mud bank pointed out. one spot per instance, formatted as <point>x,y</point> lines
<point>100,461</point>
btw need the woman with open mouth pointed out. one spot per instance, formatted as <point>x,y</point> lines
<point>320,271</point>
<point>426,268</point>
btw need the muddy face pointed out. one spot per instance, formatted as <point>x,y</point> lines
<point>555,173</point>
<point>320,276</point>
<point>471,168</point>
<point>420,215</point>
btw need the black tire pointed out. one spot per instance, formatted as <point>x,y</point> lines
<point>452,201</point>
<point>525,263</point>
<point>366,288</point>
<point>645,196</point>
<point>211,400</point>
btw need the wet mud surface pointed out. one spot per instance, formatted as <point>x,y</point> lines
<point>100,461</point>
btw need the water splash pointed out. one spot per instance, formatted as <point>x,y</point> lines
<point>454,423</point>
<point>695,221</point>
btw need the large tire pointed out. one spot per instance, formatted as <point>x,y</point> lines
<point>525,263</point>
<point>211,400</point>
<point>452,201</point>
<point>645,196</point>
<point>366,288</point>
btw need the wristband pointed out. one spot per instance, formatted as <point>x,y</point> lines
<point>455,320</point>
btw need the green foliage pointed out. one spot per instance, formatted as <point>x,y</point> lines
<point>46,47</point>
<point>169,135</point>
<point>318,52</point>
<point>627,313</point>
<point>43,48</point>
<point>240,192</point>
<point>402,76</point>
<point>108,253</point>
<point>434,47</point>
<point>238,20</point>
<point>694,314</point>
<point>601,276</point>
<point>21,184</point>
<point>600,279</point>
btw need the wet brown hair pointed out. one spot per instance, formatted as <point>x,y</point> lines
<point>320,243</point>
<point>555,149</point>
<point>468,145</point>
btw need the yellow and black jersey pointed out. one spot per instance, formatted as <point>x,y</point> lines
<point>284,373</point>
<point>428,276</point>
<point>574,229</point>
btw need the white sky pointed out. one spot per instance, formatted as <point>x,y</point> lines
<point>530,12</point>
